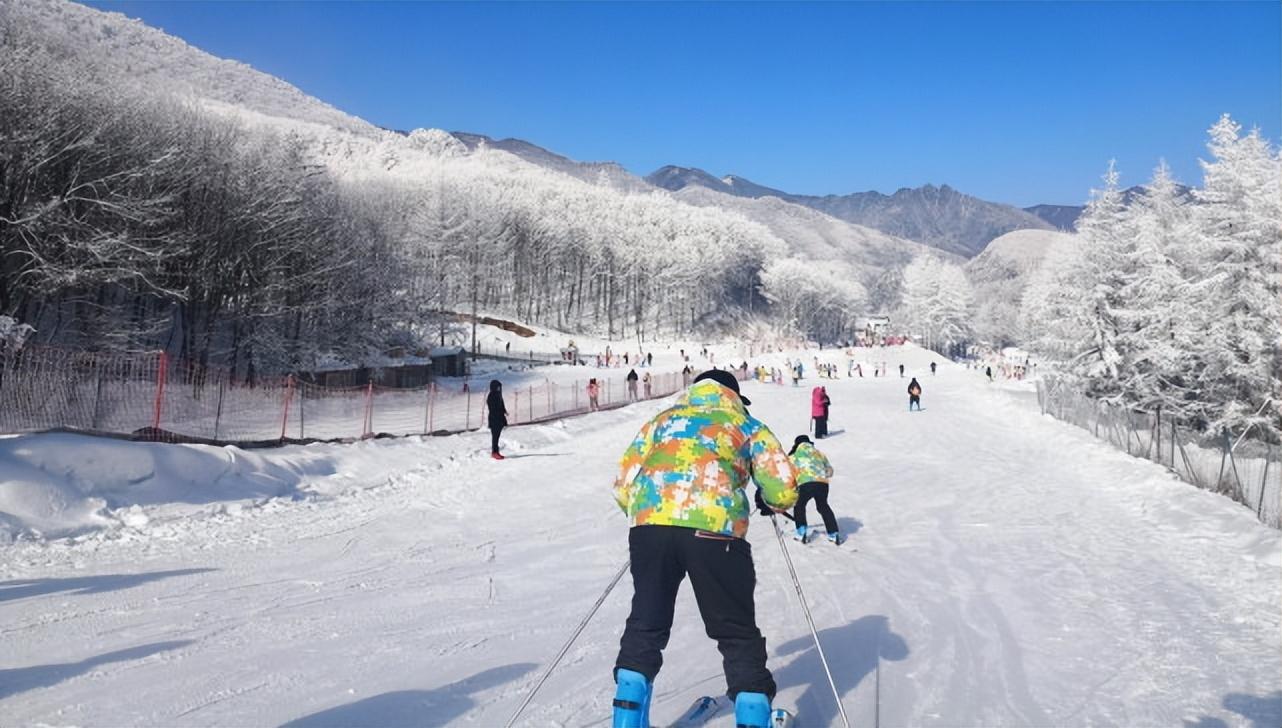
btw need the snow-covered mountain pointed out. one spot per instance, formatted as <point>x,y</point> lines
<point>1064,217</point>
<point>119,49</point>
<point>1061,217</point>
<point>610,174</point>
<point>940,217</point>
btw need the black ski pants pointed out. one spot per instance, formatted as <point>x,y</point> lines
<point>721,572</point>
<point>817,492</point>
<point>821,426</point>
<point>494,437</point>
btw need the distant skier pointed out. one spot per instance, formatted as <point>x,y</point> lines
<point>914,395</point>
<point>632,385</point>
<point>932,369</point>
<point>901,371</point>
<point>681,485</point>
<point>497,416</point>
<point>819,403</point>
<point>813,473</point>
<point>646,383</point>
<point>988,372</point>
<point>594,392</point>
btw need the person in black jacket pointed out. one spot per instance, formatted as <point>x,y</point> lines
<point>498,416</point>
<point>914,394</point>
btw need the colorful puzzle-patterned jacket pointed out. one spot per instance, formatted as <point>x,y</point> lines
<point>811,465</point>
<point>689,465</point>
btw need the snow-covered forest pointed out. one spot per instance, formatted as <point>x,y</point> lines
<point>1174,303</point>
<point>137,220</point>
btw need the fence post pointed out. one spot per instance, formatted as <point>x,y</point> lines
<point>576,395</point>
<point>530,395</point>
<point>289,394</point>
<point>427,409</point>
<point>1241,496</point>
<point>162,375</point>
<point>516,406</point>
<point>467,416</point>
<point>1224,454</point>
<point>302,409</point>
<point>1188,465</point>
<point>1264,482</point>
<point>218,416</point>
<point>366,426</point>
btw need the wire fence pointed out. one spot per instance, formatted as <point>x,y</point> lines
<point>149,396</point>
<point>1247,470</point>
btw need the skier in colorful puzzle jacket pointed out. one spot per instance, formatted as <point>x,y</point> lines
<point>681,483</point>
<point>813,474</point>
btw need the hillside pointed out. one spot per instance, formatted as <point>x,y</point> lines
<point>1000,276</point>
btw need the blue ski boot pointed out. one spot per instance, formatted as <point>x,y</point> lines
<point>631,700</point>
<point>801,534</point>
<point>836,538</point>
<point>752,710</point>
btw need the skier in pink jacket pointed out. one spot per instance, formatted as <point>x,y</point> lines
<point>819,411</point>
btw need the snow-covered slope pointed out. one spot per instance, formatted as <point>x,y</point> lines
<point>1004,569</point>
<point>117,48</point>
<point>1015,254</point>
<point>1000,275</point>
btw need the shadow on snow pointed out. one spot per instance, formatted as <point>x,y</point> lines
<point>26,588</point>
<point>415,707</point>
<point>22,679</point>
<point>1264,711</point>
<point>853,651</point>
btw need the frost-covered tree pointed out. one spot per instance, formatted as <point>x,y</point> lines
<point>938,301</point>
<point>1239,224</point>
<point>1157,313</point>
<point>812,298</point>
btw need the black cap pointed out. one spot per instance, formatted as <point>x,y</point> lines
<point>725,379</point>
<point>800,439</point>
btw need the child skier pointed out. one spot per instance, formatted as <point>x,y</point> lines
<point>681,484</point>
<point>914,395</point>
<point>813,473</point>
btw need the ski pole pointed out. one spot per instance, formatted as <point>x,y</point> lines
<point>530,696</point>
<point>810,621</point>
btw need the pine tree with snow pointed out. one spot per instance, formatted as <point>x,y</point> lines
<point>1156,315</point>
<point>1106,247</point>
<point>1239,226</point>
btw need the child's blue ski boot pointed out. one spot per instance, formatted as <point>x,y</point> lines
<point>631,700</point>
<point>752,710</point>
<point>801,534</point>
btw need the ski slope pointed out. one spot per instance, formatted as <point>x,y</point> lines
<point>1003,569</point>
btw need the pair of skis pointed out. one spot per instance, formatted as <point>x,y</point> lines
<point>705,708</point>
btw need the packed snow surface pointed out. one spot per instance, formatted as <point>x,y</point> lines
<point>1003,569</point>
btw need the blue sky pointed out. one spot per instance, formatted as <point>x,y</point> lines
<point>1014,102</point>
